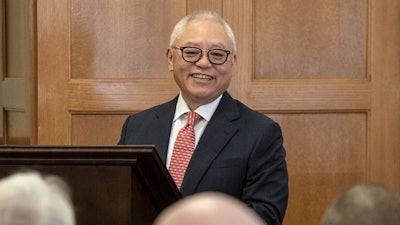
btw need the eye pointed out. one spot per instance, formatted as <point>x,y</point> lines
<point>191,52</point>
<point>217,53</point>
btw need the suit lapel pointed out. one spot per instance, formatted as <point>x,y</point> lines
<point>161,128</point>
<point>218,132</point>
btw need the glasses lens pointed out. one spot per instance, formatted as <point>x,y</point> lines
<point>191,54</point>
<point>217,56</point>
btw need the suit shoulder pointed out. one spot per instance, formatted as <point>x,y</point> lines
<point>251,114</point>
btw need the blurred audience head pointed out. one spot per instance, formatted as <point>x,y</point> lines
<point>208,208</point>
<point>366,204</point>
<point>28,198</point>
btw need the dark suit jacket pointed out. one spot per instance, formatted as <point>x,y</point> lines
<point>240,153</point>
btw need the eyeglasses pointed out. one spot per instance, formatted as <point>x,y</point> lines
<point>194,54</point>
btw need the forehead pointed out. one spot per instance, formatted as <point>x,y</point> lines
<point>204,32</point>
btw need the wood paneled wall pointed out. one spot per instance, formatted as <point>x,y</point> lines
<point>18,96</point>
<point>327,71</point>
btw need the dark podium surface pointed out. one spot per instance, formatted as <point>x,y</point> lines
<point>110,185</point>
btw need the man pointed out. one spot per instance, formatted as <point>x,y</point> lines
<point>237,151</point>
<point>27,198</point>
<point>208,208</point>
<point>364,204</point>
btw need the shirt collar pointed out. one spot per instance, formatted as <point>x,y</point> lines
<point>205,111</point>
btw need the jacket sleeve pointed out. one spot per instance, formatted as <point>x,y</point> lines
<point>266,189</point>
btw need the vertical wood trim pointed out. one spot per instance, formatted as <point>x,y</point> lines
<point>239,15</point>
<point>2,70</point>
<point>385,78</point>
<point>53,71</point>
<point>32,102</point>
<point>368,78</point>
<point>3,39</point>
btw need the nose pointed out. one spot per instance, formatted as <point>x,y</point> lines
<point>204,61</point>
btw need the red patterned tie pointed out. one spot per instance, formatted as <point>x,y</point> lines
<point>183,149</point>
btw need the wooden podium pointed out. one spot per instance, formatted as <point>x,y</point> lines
<point>110,185</point>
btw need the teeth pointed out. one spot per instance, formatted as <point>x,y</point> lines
<point>202,76</point>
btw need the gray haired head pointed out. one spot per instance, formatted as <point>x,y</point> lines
<point>367,204</point>
<point>202,15</point>
<point>27,198</point>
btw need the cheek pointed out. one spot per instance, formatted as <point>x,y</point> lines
<point>226,72</point>
<point>181,67</point>
<point>175,62</point>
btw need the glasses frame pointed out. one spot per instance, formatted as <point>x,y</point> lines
<point>201,54</point>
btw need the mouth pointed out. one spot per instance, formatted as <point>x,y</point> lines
<point>202,76</point>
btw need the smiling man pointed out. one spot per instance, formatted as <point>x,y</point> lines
<point>208,140</point>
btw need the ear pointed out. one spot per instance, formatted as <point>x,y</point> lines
<point>169,55</point>
<point>234,57</point>
<point>233,60</point>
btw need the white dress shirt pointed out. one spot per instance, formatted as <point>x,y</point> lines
<point>180,120</point>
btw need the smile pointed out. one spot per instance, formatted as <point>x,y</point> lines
<point>202,76</point>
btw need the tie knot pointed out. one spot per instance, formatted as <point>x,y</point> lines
<point>193,118</point>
